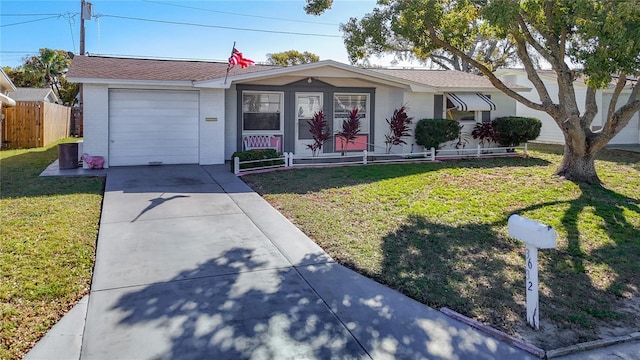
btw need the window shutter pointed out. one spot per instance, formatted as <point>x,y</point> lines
<point>486,115</point>
<point>437,106</point>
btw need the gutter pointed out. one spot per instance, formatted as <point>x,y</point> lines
<point>7,101</point>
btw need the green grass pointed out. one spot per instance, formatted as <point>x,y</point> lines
<point>47,245</point>
<point>438,233</point>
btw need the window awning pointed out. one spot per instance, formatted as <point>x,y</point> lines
<point>471,102</point>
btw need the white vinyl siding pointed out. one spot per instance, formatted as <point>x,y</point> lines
<point>153,126</point>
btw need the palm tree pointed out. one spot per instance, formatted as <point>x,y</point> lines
<point>48,66</point>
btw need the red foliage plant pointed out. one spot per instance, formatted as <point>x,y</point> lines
<point>350,127</point>
<point>320,132</point>
<point>398,128</point>
<point>486,132</point>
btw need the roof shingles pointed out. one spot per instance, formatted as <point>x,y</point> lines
<point>440,78</point>
<point>31,94</point>
<point>95,67</point>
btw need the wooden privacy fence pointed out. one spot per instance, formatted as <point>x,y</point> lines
<point>32,124</point>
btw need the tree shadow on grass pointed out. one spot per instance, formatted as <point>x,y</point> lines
<point>590,282</point>
<point>630,158</point>
<point>442,265</point>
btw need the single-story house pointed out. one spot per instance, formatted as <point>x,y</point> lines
<point>143,111</point>
<point>550,132</point>
<point>35,94</point>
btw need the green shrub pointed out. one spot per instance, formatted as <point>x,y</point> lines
<point>430,133</point>
<point>515,130</point>
<point>250,155</point>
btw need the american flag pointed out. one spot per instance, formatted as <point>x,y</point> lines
<point>237,59</point>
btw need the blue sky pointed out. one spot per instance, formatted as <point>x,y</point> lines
<point>57,26</point>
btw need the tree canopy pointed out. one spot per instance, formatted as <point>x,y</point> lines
<point>291,57</point>
<point>48,68</point>
<point>597,40</point>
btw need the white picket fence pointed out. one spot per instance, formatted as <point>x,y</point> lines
<point>288,160</point>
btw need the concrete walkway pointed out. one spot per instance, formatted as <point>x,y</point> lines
<point>192,264</point>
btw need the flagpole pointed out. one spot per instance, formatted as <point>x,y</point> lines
<point>229,63</point>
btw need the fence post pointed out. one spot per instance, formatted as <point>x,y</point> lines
<point>433,154</point>
<point>525,148</point>
<point>479,150</point>
<point>286,159</point>
<point>364,157</point>
<point>290,159</point>
<point>236,165</point>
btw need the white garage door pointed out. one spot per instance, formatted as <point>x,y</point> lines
<point>153,127</point>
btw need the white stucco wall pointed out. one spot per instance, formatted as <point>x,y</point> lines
<point>505,105</point>
<point>420,106</point>
<point>630,134</point>
<point>96,121</point>
<point>212,133</point>
<point>387,100</point>
<point>551,132</point>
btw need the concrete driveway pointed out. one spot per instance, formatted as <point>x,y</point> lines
<point>192,264</point>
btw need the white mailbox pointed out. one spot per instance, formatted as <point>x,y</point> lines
<point>536,236</point>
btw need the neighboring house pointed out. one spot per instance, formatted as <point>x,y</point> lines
<point>139,111</point>
<point>35,94</point>
<point>6,87</point>
<point>550,131</point>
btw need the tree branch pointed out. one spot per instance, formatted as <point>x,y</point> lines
<point>591,109</point>
<point>483,69</point>
<point>622,80</point>
<point>532,41</point>
<point>532,73</point>
<point>619,119</point>
<point>441,58</point>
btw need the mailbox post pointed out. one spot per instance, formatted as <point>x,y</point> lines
<point>535,236</point>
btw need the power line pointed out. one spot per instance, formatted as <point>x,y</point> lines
<point>28,14</point>
<point>147,57</point>
<point>238,14</point>
<point>215,26</point>
<point>30,21</point>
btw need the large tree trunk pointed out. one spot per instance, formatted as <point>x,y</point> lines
<point>578,166</point>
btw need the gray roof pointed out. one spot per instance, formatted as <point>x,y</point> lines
<point>32,94</point>
<point>443,79</point>
<point>98,67</point>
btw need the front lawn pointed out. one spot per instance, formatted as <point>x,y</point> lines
<point>47,245</point>
<point>438,233</point>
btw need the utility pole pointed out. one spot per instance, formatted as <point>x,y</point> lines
<point>82,6</point>
<point>85,14</point>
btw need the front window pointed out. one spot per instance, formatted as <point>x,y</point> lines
<point>453,113</point>
<point>344,103</point>
<point>262,111</point>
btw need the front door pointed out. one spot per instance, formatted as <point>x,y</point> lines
<point>307,104</point>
